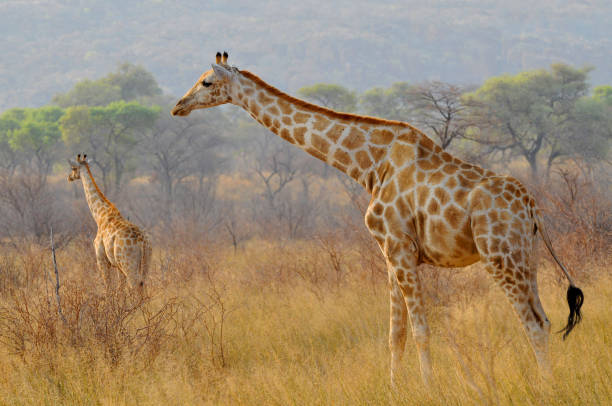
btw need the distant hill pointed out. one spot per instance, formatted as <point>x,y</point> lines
<point>48,45</point>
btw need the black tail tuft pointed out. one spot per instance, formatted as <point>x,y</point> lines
<point>575,298</point>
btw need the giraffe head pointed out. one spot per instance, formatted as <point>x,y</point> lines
<point>213,88</point>
<point>75,167</point>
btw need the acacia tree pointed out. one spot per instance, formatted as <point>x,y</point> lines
<point>332,96</point>
<point>588,134</point>
<point>30,142</point>
<point>128,82</point>
<point>395,103</point>
<point>108,135</point>
<point>89,93</point>
<point>104,120</point>
<point>133,81</point>
<point>528,114</point>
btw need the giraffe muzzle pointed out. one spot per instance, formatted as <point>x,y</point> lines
<point>180,109</point>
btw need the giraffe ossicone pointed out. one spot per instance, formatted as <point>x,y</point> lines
<point>119,245</point>
<point>427,206</point>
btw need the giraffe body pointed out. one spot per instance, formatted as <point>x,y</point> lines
<point>426,207</point>
<point>119,245</point>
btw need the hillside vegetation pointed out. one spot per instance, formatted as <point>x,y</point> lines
<point>49,45</point>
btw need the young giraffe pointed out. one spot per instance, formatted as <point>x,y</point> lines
<point>427,206</point>
<point>118,244</point>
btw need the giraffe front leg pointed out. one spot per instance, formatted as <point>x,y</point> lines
<point>402,259</point>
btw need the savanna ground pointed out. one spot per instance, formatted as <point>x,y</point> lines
<point>299,322</point>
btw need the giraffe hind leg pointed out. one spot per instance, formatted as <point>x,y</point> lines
<point>519,283</point>
<point>398,325</point>
<point>137,266</point>
<point>413,295</point>
<point>104,265</point>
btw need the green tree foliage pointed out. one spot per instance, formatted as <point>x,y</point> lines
<point>332,96</point>
<point>8,123</point>
<point>529,113</point>
<point>603,94</point>
<point>589,130</point>
<point>108,134</point>
<point>89,93</point>
<point>395,103</point>
<point>128,82</point>
<point>134,81</point>
<point>30,136</point>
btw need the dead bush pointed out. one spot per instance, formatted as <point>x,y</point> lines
<point>580,215</point>
<point>123,326</point>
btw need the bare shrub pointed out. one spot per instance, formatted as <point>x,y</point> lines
<point>123,325</point>
<point>120,325</point>
<point>214,312</point>
<point>332,245</point>
<point>477,346</point>
<point>581,218</point>
<point>186,304</point>
<point>235,225</point>
<point>29,325</point>
<point>10,274</point>
<point>202,301</point>
<point>28,208</point>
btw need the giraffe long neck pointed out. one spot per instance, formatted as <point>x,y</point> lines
<point>99,205</point>
<point>356,145</point>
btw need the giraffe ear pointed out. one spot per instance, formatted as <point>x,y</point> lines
<point>221,72</point>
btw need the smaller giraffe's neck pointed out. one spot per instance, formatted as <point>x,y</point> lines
<point>99,205</point>
<point>356,145</point>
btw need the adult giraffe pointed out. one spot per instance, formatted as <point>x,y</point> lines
<point>427,206</point>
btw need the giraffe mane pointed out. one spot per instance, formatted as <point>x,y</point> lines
<point>320,109</point>
<point>86,165</point>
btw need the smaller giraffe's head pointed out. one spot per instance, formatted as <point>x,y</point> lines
<point>213,88</point>
<point>75,167</point>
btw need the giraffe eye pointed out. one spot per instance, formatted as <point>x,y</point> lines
<point>206,84</point>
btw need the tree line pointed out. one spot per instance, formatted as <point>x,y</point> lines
<point>542,118</point>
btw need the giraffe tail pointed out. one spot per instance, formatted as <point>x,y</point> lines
<point>575,297</point>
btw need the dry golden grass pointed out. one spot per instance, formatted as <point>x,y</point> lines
<point>281,325</point>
